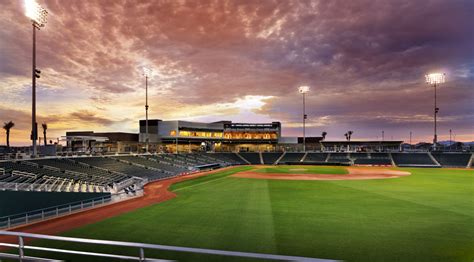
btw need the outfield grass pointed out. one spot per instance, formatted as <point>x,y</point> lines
<point>428,216</point>
<point>304,169</point>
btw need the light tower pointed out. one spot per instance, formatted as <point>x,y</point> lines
<point>303,90</point>
<point>435,79</point>
<point>146,73</point>
<point>38,16</point>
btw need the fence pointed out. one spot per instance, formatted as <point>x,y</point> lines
<point>140,247</point>
<point>55,211</point>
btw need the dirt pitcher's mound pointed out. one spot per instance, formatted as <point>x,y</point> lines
<point>354,174</point>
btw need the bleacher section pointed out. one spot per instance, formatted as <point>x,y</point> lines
<point>452,159</point>
<point>413,160</point>
<point>229,157</point>
<point>253,158</point>
<point>28,176</point>
<point>116,165</point>
<point>315,157</point>
<point>376,159</point>
<point>270,158</point>
<point>291,158</point>
<point>339,158</point>
<point>99,174</point>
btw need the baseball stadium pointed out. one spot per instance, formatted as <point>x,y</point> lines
<point>247,154</point>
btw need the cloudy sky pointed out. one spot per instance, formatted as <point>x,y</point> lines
<point>365,62</point>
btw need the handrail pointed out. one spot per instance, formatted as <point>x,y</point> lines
<point>140,246</point>
<point>10,221</point>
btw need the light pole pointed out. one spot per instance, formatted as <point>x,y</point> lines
<point>38,16</point>
<point>146,73</point>
<point>303,90</point>
<point>410,139</point>
<point>435,79</point>
<point>450,139</point>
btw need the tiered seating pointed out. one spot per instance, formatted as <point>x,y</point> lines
<point>51,179</point>
<point>413,159</point>
<point>253,158</point>
<point>230,157</point>
<point>69,164</point>
<point>339,158</point>
<point>371,159</point>
<point>163,169</point>
<point>452,159</point>
<point>117,166</point>
<point>210,159</point>
<point>291,157</point>
<point>270,158</point>
<point>316,157</point>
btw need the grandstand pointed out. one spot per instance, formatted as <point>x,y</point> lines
<point>291,158</point>
<point>316,158</point>
<point>270,158</point>
<point>452,159</point>
<point>29,176</point>
<point>121,166</point>
<point>252,158</point>
<point>376,159</point>
<point>339,158</point>
<point>414,160</point>
<point>232,158</point>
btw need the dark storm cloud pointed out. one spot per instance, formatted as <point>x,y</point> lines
<point>365,60</point>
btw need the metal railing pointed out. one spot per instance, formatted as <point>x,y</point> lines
<point>140,247</point>
<point>42,214</point>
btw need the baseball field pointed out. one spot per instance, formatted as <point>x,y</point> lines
<point>356,214</point>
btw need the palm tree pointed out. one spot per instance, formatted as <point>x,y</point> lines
<point>7,126</point>
<point>349,134</point>
<point>45,127</point>
<point>324,135</point>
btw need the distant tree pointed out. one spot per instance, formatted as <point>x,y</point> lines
<point>45,127</point>
<point>324,134</point>
<point>8,126</point>
<point>349,135</point>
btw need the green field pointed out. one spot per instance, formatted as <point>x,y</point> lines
<point>428,216</point>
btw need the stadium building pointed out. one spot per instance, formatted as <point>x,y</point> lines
<point>186,136</point>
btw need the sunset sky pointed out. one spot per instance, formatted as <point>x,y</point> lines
<point>243,61</point>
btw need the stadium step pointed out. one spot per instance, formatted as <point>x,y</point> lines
<point>434,159</point>
<point>327,158</point>
<point>278,160</point>
<point>469,164</point>
<point>243,159</point>
<point>304,157</point>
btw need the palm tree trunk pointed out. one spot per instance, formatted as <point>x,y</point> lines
<point>44,134</point>
<point>8,139</point>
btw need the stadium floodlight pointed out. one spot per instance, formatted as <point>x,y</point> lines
<point>146,73</point>
<point>38,16</point>
<point>435,79</point>
<point>303,90</point>
<point>36,13</point>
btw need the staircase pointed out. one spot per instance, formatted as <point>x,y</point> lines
<point>243,159</point>
<point>278,160</point>
<point>304,157</point>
